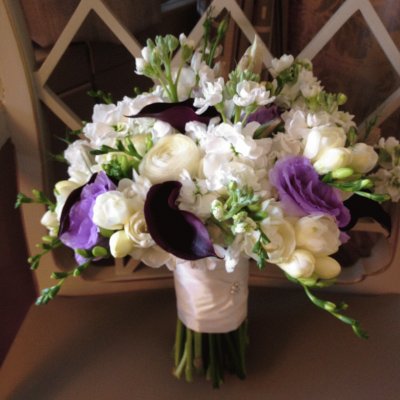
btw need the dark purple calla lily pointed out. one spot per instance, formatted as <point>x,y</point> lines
<point>178,232</point>
<point>264,115</point>
<point>176,114</point>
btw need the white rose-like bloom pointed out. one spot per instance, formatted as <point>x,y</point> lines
<point>364,158</point>
<point>322,138</point>
<point>280,64</point>
<point>332,159</point>
<point>250,92</point>
<point>169,157</point>
<point>326,267</point>
<point>120,244</point>
<point>136,230</point>
<point>282,239</point>
<point>300,265</point>
<point>112,210</point>
<point>318,234</point>
<point>212,95</point>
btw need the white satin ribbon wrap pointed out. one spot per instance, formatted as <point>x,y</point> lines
<point>211,301</point>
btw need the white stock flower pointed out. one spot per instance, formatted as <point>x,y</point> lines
<point>326,267</point>
<point>364,158</point>
<point>184,41</point>
<point>322,138</point>
<point>169,157</point>
<point>250,92</point>
<point>112,210</point>
<point>141,62</point>
<point>282,239</point>
<point>120,244</point>
<point>136,230</point>
<point>387,181</point>
<point>212,95</point>
<point>333,159</point>
<point>280,64</point>
<point>161,129</point>
<point>308,84</point>
<point>186,82</point>
<point>300,265</point>
<point>318,234</point>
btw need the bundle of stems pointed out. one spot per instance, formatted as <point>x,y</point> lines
<point>210,353</point>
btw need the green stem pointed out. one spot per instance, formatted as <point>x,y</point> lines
<point>178,341</point>
<point>189,355</point>
<point>198,348</point>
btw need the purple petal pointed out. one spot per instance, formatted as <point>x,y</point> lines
<point>77,230</point>
<point>176,114</point>
<point>264,115</point>
<point>178,232</point>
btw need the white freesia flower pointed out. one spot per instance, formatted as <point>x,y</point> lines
<point>318,234</point>
<point>120,244</point>
<point>62,190</point>
<point>169,157</point>
<point>364,158</point>
<point>50,221</point>
<point>212,95</point>
<point>322,138</point>
<point>250,92</point>
<point>136,230</point>
<point>80,161</point>
<point>282,239</point>
<point>333,159</point>
<point>300,265</point>
<point>326,267</point>
<point>112,210</point>
<point>280,64</point>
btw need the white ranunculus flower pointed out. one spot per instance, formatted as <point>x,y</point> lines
<point>50,221</point>
<point>332,159</point>
<point>300,265</point>
<point>364,158</point>
<point>169,157</point>
<point>322,138</point>
<point>120,244</point>
<point>280,64</point>
<point>153,256</point>
<point>250,92</point>
<point>326,267</point>
<point>136,230</point>
<point>112,210</point>
<point>282,239</point>
<point>318,234</point>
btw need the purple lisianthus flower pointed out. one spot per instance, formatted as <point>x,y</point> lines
<point>301,191</point>
<point>77,230</point>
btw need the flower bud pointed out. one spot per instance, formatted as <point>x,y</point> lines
<point>332,159</point>
<point>300,265</point>
<point>342,173</point>
<point>120,244</point>
<point>364,158</point>
<point>326,267</point>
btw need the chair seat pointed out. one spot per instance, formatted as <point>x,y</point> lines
<point>120,347</point>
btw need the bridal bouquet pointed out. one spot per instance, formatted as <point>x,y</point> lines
<point>202,174</point>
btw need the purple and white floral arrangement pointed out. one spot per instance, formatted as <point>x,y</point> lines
<point>203,173</point>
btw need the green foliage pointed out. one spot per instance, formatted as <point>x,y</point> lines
<point>332,308</point>
<point>103,97</point>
